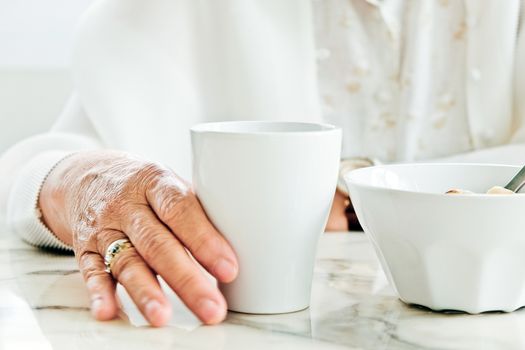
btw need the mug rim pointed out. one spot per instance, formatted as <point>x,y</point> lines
<point>248,127</point>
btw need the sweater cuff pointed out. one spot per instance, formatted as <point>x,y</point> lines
<point>23,214</point>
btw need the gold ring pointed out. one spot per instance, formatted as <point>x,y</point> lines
<point>114,249</point>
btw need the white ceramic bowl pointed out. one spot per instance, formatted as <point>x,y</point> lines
<point>445,252</point>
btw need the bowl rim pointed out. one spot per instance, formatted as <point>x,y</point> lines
<point>460,196</point>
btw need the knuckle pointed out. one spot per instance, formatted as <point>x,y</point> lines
<point>103,238</point>
<point>95,281</point>
<point>152,246</point>
<point>175,207</point>
<point>186,280</point>
<point>167,193</point>
<point>86,261</point>
<point>137,223</point>
<point>204,244</point>
<point>92,270</point>
<point>92,274</point>
<point>145,292</point>
<point>151,173</point>
<point>124,265</point>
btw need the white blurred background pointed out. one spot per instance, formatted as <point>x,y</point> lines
<point>35,43</point>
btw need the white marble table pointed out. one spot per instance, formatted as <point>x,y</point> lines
<point>43,305</point>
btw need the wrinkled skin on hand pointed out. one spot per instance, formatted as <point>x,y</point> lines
<point>92,199</point>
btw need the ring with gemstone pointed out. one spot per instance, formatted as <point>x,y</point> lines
<point>113,250</point>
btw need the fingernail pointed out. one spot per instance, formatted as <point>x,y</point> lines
<point>96,305</point>
<point>225,270</point>
<point>153,309</point>
<point>209,311</point>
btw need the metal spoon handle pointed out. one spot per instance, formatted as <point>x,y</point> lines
<point>517,181</point>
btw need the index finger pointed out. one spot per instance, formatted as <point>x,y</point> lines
<point>178,207</point>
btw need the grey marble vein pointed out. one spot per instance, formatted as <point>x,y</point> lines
<point>53,272</point>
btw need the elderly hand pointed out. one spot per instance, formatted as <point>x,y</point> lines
<point>92,199</point>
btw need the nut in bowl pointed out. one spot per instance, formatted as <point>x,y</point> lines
<point>460,252</point>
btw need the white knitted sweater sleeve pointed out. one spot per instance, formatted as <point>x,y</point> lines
<point>25,166</point>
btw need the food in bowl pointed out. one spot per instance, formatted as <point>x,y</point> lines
<point>445,252</point>
<point>492,190</point>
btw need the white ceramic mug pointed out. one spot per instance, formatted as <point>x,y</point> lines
<point>268,188</point>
